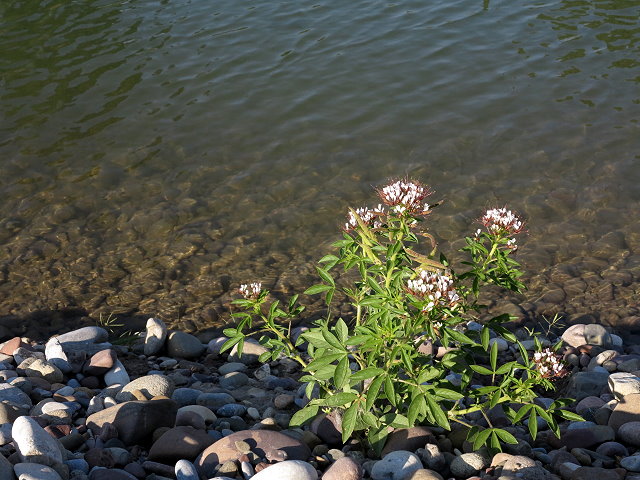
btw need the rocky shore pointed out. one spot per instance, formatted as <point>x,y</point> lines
<point>169,406</point>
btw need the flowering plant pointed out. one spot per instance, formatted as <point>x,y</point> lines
<point>407,357</point>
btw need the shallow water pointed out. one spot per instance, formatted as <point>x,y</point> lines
<point>155,154</point>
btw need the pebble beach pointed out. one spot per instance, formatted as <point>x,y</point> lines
<point>170,406</point>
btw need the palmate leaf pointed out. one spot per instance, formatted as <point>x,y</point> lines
<point>481,438</point>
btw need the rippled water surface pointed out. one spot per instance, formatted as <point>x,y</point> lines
<point>155,154</point>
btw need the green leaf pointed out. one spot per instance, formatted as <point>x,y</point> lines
<point>493,356</point>
<point>369,372</point>
<point>349,422</point>
<point>447,394</point>
<point>325,276</point>
<point>495,398</point>
<point>506,436</point>
<point>417,404</point>
<point>331,339</point>
<point>395,420</point>
<point>481,438</point>
<point>521,413</point>
<point>506,368</point>
<point>264,356</point>
<point>339,399</point>
<point>304,415</point>
<point>567,415</point>
<point>357,339</point>
<point>316,339</point>
<point>342,373</point>
<point>230,343</point>
<point>495,442</point>
<point>459,336</point>
<point>428,373</point>
<point>377,438</point>
<point>438,413</point>
<point>389,390</point>
<point>543,413</point>
<point>370,419</point>
<point>484,337</point>
<point>308,390</point>
<point>324,360</point>
<point>481,370</point>
<point>533,424</point>
<point>373,391</point>
<point>319,288</point>
<point>324,373</point>
<point>342,330</point>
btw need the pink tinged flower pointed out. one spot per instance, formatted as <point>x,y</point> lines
<point>549,364</point>
<point>435,288</point>
<point>250,291</point>
<point>406,196</point>
<point>371,217</point>
<point>502,221</point>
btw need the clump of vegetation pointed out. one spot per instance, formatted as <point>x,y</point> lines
<point>371,368</point>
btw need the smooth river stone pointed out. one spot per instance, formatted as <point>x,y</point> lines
<point>149,385</point>
<point>6,469</point>
<point>184,345</point>
<point>574,335</point>
<point>35,471</point>
<point>100,362</point>
<point>180,442</point>
<point>288,470</point>
<point>37,367</point>
<point>622,384</point>
<point>186,470</point>
<point>54,353</point>
<point>117,375</point>
<point>84,335</point>
<point>155,336</point>
<point>135,421</point>
<point>398,465</point>
<point>268,444</point>
<point>11,394</point>
<point>34,444</point>
<point>627,410</point>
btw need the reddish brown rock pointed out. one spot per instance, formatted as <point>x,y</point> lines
<point>345,468</point>
<point>58,431</point>
<point>267,444</point>
<point>180,442</point>
<point>328,428</point>
<point>409,439</point>
<point>100,363</point>
<point>135,421</point>
<point>12,345</point>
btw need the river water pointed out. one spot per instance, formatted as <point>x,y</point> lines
<point>156,154</point>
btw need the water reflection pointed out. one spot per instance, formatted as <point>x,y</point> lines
<point>154,155</point>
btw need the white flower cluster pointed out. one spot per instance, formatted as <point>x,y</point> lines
<point>367,215</point>
<point>501,220</point>
<point>437,288</point>
<point>406,196</point>
<point>549,364</point>
<point>250,291</point>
